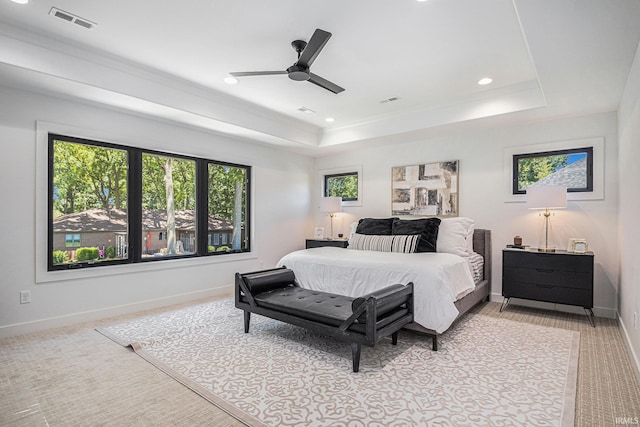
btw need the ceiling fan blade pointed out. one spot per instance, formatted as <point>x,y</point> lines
<point>315,45</point>
<point>324,83</point>
<point>256,73</point>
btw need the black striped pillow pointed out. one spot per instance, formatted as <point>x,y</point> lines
<point>396,243</point>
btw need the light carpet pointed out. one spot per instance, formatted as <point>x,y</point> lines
<point>488,371</point>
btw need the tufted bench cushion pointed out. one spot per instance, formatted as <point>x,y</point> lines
<point>313,305</point>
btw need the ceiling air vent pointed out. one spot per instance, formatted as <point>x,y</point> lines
<point>70,17</point>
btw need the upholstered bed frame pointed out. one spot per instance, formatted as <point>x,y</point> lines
<point>481,245</point>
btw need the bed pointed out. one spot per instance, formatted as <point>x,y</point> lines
<point>445,286</point>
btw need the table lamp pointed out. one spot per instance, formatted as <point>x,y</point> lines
<point>546,197</point>
<point>331,205</point>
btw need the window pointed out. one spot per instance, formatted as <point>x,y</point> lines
<point>168,205</point>
<point>72,240</point>
<point>227,190</point>
<point>345,182</point>
<point>343,185</point>
<point>88,192</point>
<point>570,167</point>
<point>112,204</point>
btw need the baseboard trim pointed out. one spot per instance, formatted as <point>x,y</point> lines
<point>609,313</point>
<point>75,318</point>
<point>635,360</point>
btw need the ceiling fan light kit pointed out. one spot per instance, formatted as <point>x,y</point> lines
<point>301,70</point>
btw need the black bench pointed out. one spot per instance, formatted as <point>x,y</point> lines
<point>365,320</point>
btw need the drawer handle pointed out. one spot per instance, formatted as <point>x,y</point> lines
<point>545,286</point>
<point>544,270</point>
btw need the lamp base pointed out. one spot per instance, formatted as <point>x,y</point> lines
<point>547,249</point>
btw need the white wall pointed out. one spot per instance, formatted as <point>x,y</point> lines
<point>629,169</point>
<point>281,199</point>
<point>482,197</point>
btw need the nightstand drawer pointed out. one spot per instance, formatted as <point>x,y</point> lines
<point>553,294</point>
<point>554,261</point>
<point>541,276</point>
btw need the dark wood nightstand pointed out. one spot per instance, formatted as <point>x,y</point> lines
<point>558,277</point>
<point>316,243</point>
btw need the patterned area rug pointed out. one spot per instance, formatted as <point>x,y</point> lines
<point>487,371</point>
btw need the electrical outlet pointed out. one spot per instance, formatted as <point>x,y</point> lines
<point>25,297</point>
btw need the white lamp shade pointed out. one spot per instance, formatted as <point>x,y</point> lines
<point>331,204</point>
<point>547,197</point>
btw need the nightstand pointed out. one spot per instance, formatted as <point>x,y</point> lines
<point>316,243</point>
<point>557,277</point>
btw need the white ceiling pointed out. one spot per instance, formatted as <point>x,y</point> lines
<point>548,58</point>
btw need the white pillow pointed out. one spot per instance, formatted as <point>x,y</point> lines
<point>472,230</point>
<point>352,231</point>
<point>455,236</point>
<point>394,243</point>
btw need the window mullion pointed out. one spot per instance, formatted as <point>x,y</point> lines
<point>202,206</point>
<point>134,198</point>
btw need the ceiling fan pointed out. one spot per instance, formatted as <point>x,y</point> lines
<point>300,71</point>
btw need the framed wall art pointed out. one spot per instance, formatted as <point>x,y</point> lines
<point>428,189</point>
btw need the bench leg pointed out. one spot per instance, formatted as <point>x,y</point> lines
<point>247,319</point>
<point>394,338</point>
<point>435,342</point>
<point>355,353</point>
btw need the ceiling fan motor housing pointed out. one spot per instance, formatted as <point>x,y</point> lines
<point>298,73</point>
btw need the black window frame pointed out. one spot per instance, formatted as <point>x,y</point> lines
<point>134,204</point>
<point>339,175</point>
<point>587,150</point>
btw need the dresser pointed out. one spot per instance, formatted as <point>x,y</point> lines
<point>557,277</point>
<point>316,243</point>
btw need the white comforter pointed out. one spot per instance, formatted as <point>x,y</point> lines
<point>438,278</point>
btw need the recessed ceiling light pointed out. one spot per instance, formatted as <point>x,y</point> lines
<point>230,80</point>
<point>20,1</point>
<point>329,120</point>
<point>421,0</point>
<point>485,81</point>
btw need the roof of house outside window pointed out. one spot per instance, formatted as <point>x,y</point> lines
<point>115,220</point>
<point>573,176</point>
